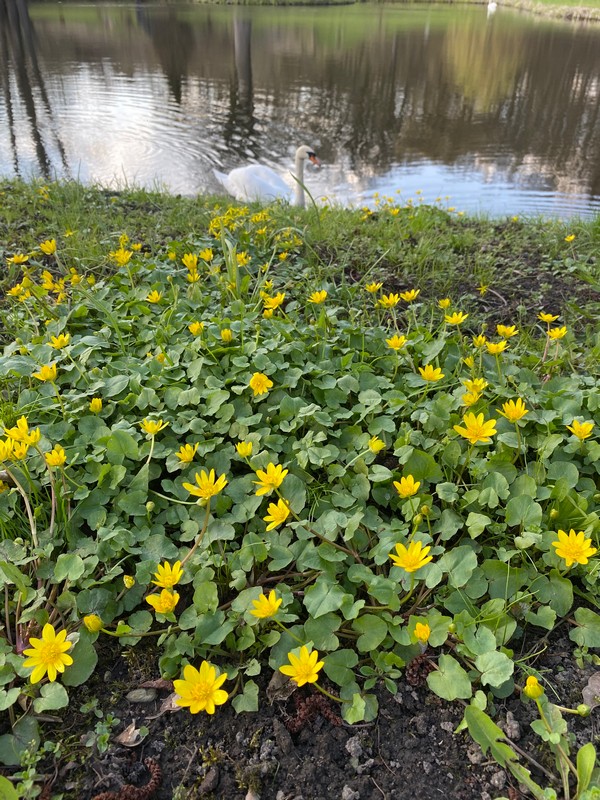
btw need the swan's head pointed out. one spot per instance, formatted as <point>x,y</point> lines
<point>305,152</point>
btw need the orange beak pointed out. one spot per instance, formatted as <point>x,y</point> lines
<point>314,160</point>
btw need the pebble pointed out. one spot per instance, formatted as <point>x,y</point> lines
<point>141,695</point>
<point>266,749</point>
<point>427,766</point>
<point>348,793</point>
<point>447,726</point>
<point>366,766</point>
<point>475,754</point>
<point>511,727</point>
<point>354,747</point>
<point>210,782</point>
<point>421,725</point>
<point>498,779</point>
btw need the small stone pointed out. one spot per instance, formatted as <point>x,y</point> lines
<point>447,726</point>
<point>266,749</point>
<point>362,768</point>
<point>252,795</point>
<point>421,725</point>
<point>427,766</point>
<point>348,793</point>
<point>210,782</point>
<point>141,695</point>
<point>511,727</point>
<point>475,754</point>
<point>354,747</point>
<point>498,779</point>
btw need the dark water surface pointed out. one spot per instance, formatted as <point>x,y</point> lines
<point>494,113</point>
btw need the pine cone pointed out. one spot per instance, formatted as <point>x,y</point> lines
<point>417,670</point>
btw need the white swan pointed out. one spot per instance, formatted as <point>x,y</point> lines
<point>258,183</point>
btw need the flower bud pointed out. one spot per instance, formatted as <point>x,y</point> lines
<point>150,506</point>
<point>532,688</point>
<point>554,513</point>
<point>93,623</point>
<point>418,519</point>
<point>583,710</point>
<point>129,581</point>
<point>425,511</point>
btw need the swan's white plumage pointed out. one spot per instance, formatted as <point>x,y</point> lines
<point>257,183</point>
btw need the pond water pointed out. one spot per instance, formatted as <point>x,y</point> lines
<point>492,113</point>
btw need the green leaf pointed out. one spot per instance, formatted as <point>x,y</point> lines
<point>324,596</point>
<point>477,523</point>
<point>68,565</point>
<point>84,663</point>
<point>449,681</point>
<point>495,668</point>
<point>489,736</point>
<point>52,696</point>
<point>586,761</point>
<point>354,712</point>
<point>121,445</point>
<point>524,512</point>
<point>459,563</point>
<point>423,467</point>
<point>587,634</point>
<point>557,592</point>
<point>7,791</point>
<point>9,697</point>
<point>339,665</point>
<point>248,700</point>
<point>25,736</point>
<point>373,631</point>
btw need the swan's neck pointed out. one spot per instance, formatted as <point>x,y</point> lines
<point>299,183</point>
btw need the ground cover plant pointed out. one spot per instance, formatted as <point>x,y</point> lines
<point>303,446</point>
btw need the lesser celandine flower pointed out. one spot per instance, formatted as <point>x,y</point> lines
<point>129,581</point>
<point>260,384</point>
<point>190,261</point>
<point>469,361</point>
<point>375,444</point>
<point>479,340</point>
<point>582,430</point>
<point>496,347</point>
<point>570,238</point>
<point>457,318</point>
<point>476,385</point>
<point>277,514</point>
<point>208,485</point>
<point>431,373</point>
<point>410,296</point>
<point>196,328</point>
<point>411,558</point>
<point>226,335</point>
<point>48,655</point>
<point>318,297</point>
<point>47,373</point>
<point>207,254</point>
<point>56,457</point>
<point>469,398</point>
<point>396,342</point>
<point>422,632</point>
<point>19,450</point>
<point>154,297</point>
<point>548,317</point>
<point>557,333</point>
<point>475,429</point>
<point>163,603</point>
<point>373,288</point>
<point>93,623</point>
<point>266,607</point>
<point>167,576</point>
<point>18,258</point>
<point>243,259</point>
<point>268,313</point>
<point>506,331</point>
<point>96,405</point>
<point>152,427</point>
<point>388,300</point>
<point>48,247</point>
<point>513,410</point>
<point>20,432</point>
<point>407,486</point>
<point>270,479</point>
<point>574,547</point>
<point>200,690</point>
<point>244,449</point>
<point>60,341</point>
<point>273,303</point>
<point>187,452</point>
<point>533,689</point>
<point>121,256</point>
<point>444,303</point>
<point>304,668</point>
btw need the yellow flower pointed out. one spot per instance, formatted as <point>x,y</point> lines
<point>548,317</point>
<point>574,548</point>
<point>190,260</point>
<point>200,690</point>
<point>268,313</point>
<point>422,632</point>
<point>513,410</point>
<point>48,655</point>
<point>372,288</point>
<point>444,303</point>
<point>121,256</point>
<point>47,280</point>
<point>457,318</point>
<point>193,277</point>
<point>407,486</point>
<point>207,254</point>
<point>277,514</point>
<point>411,558</point>
<point>19,450</point>
<point>18,258</point>
<point>226,335</point>
<point>506,331</point>
<point>272,303</point>
<point>152,427</point>
<point>410,296</point>
<point>48,247</point>
<point>582,430</point>
<point>532,688</point>
<point>208,485</point>
<point>244,449</point>
<point>3,486</point>
<point>243,259</point>
<point>318,297</point>
<point>283,256</point>
<point>163,603</point>
<point>96,405</point>
<point>469,361</point>
<point>480,340</point>
<point>196,328</point>
<point>304,668</point>
<point>270,479</point>
<point>496,347</point>
<point>137,246</point>
<point>557,333</point>
<point>469,398</point>
<point>476,430</point>
<point>260,384</point>
<point>483,289</point>
<point>93,623</point>
<point>375,444</point>
<point>167,576</point>
<point>129,581</point>
<point>47,373</point>
<point>396,342</point>
<point>266,607</point>
<point>154,297</point>
<point>60,341</point>
<point>388,300</point>
<point>431,373</point>
<point>475,385</point>
<point>20,433</point>
<point>570,238</point>
<point>187,452</point>
<point>56,457</point>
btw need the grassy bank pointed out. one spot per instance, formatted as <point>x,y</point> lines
<point>348,447</point>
